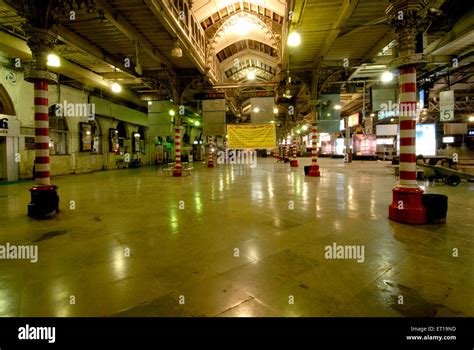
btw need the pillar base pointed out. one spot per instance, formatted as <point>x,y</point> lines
<point>210,165</point>
<point>407,206</point>
<point>294,163</point>
<point>314,170</point>
<point>177,172</point>
<point>44,202</point>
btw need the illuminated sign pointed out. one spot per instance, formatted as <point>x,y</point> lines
<point>448,139</point>
<point>353,120</point>
<point>426,139</point>
<point>365,145</point>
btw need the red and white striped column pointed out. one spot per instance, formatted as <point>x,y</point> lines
<point>210,161</point>
<point>314,167</point>
<point>294,161</point>
<point>178,168</point>
<point>287,150</point>
<point>226,153</point>
<point>42,174</point>
<point>407,206</point>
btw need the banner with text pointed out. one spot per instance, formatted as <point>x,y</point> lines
<point>251,136</point>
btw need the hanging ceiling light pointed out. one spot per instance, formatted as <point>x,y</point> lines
<point>116,87</point>
<point>387,77</point>
<point>176,51</point>
<point>251,75</point>
<point>53,60</point>
<point>294,39</point>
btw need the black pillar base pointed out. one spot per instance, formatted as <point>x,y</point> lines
<point>44,201</point>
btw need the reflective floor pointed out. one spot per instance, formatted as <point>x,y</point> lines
<point>236,241</point>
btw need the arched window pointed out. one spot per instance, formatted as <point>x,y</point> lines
<point>58,132</point>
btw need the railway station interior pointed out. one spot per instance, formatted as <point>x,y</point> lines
<point>226,158</point>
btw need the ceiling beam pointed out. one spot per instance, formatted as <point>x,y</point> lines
<point>244,85</point>
<point>378,21</point>
<point>345,13</point>
<point>386,39</point>
<point>71,38</point>
<point>130,32</point>
<point>16,47</point>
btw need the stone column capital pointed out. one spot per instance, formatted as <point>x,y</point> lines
<point>41,42</point>
<point>408,18</point>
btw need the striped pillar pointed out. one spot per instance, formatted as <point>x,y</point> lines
<point>226,153</point>
<point>408,127</point>
<point>178,168</point>
<point>281,151</point>
<point>210,161</point>
<point>314,167</point>
<point>42,174</point>
<point>407,206</point>
<point>287,150</point>
<point>294,161</point>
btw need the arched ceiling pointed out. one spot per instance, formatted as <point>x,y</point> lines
<point>232,27</point>
<point>207,8</point>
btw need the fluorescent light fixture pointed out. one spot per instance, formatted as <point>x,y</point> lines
<point>136,134</point>
<point>372,114</point>
<point>337,107</point>
<point>172,113</point>
<point>298,132</point>
<point>448,139</point>
<point>251,75</point>
<point>150,103</point>
<point>116,87</point>
<point>256,110</point>
<point>305,127</point>
<point>275,110</point>
<point>197,123</point>
<point>387,77</point>
<point>53,60</point>
<point>294,39</point>
<point>471,119</point>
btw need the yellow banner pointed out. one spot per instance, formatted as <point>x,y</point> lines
<point>251,136</point>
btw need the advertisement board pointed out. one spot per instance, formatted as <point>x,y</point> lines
<point>364,145</point>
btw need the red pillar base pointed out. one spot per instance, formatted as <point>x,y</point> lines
<point>210,165</point>
<point>177,172</point>
<point>407,206</point>
<point>314,170</point>
<point>294,163</point>
<point>44,201</point>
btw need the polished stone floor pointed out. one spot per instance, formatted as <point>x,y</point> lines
<point>236,241</point>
